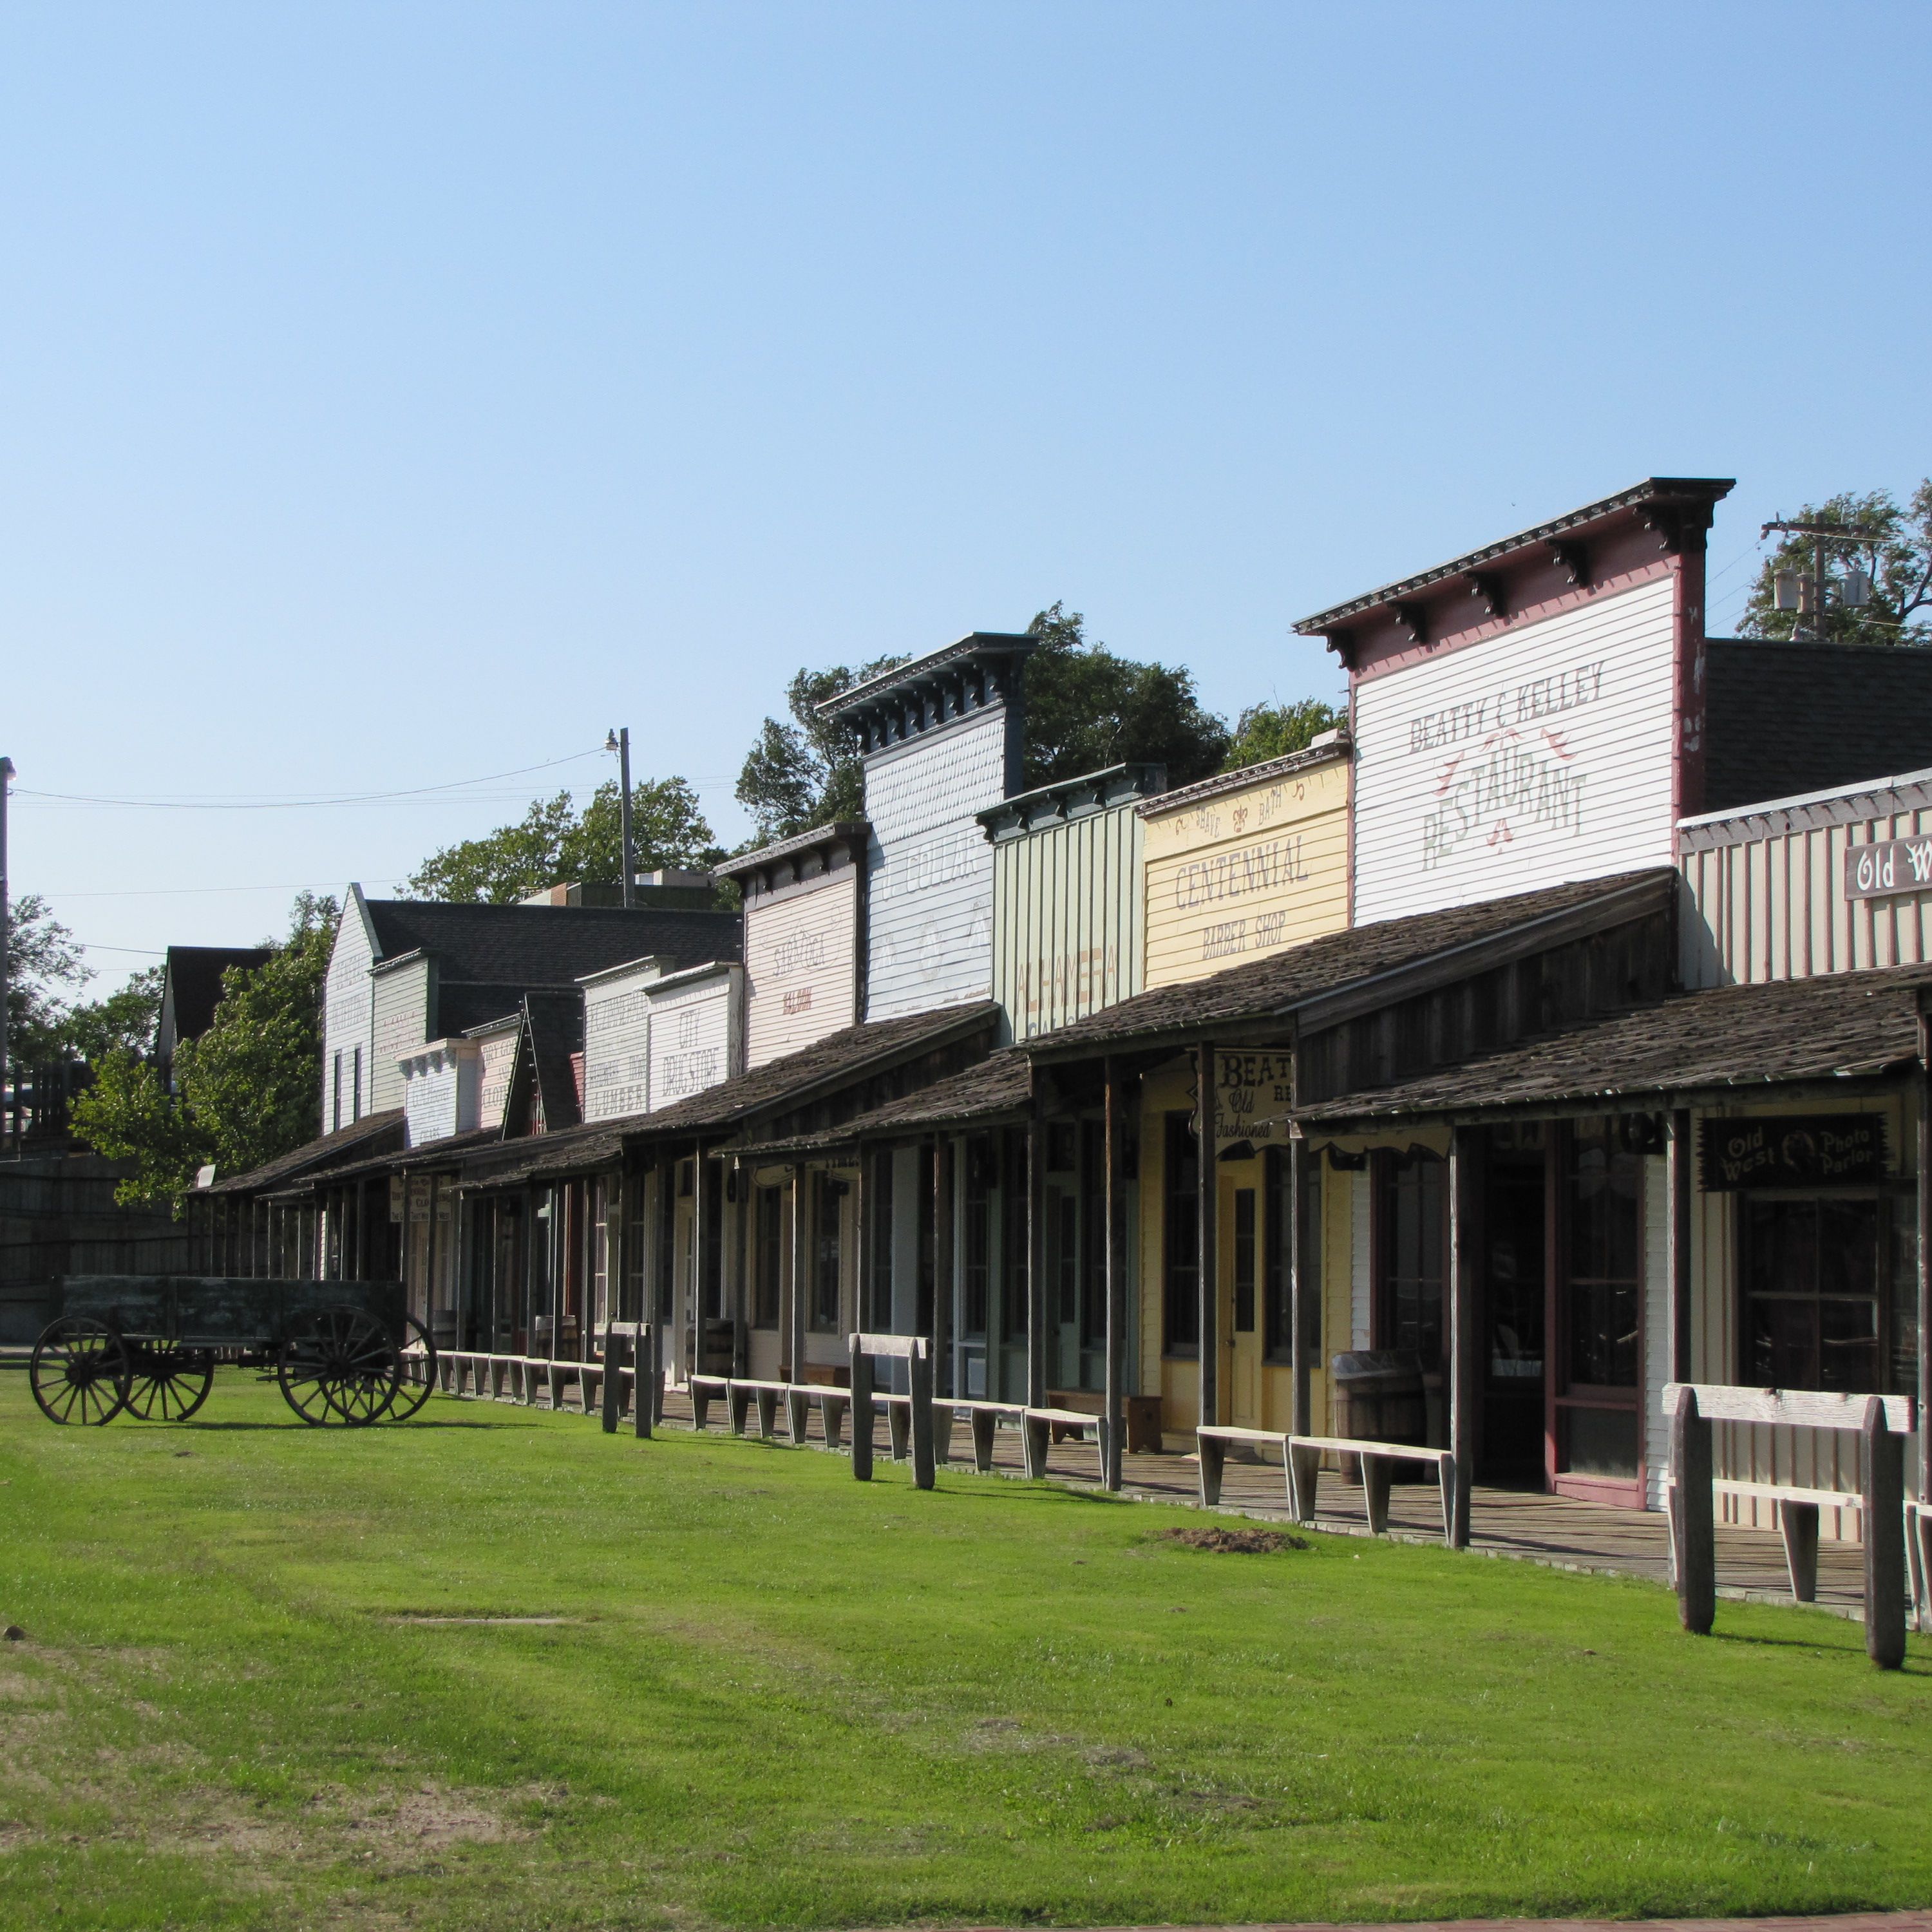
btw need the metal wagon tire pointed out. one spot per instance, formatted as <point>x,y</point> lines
<point>340,1365</point>
<point>80,1371</point>
<point>411,1396</point>
<point>167,1383</point>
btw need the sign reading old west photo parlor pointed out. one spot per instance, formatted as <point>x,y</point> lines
<point>1793,1150</point>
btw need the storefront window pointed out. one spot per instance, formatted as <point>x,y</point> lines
<point>1244,1260</point>
<point>974,1295</point>
<point>1414,1236</point>
<point>768,1241</point>
<point>1604,1188</point>
<point>1829,1299</point>
<point>827,1253</point>
<point>1276,1312</point>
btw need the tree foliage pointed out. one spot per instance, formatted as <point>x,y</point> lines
<point>807,773</point>
<point>1265,731</point>
<point>1898,562</point>
<point>123,1021</point>
<point>1086,709</point>
<point>45,968</point>
<point>555,844</point>
<point>248,1090</point>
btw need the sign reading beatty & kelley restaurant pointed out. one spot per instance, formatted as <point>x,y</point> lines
<point>1533,758</point>
<point>1891,865</point>
<point>1253,1092</point>
<point>1793,1150</point>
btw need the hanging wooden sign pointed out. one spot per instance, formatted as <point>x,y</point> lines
<point>1793,1150</point>
<point>1891,865</point>
<point>1253,1092</point>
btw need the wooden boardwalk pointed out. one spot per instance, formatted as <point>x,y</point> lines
<point>1560,1531</point>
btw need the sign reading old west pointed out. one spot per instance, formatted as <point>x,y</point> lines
<point>1793,1150</point>
<point>1891,865</point>
<point>1253,1091</point>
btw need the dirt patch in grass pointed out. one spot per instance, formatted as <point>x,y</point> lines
<point>1233,1542</point>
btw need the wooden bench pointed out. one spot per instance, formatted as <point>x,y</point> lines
<point>907,1415</point>
<point>1140,1413</point>
<point>1301,1462</point>
<point>1883,1423</point>
<point>1039,1428</point>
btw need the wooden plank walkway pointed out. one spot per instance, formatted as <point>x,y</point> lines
<point>1562,1532</point>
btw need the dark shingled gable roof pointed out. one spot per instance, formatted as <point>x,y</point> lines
<point>1271,988</point>
<point>547,946</point>
<point>193,982</point>
<point>999,1086</point>
<point>1839,1026</point>
<point>361,1138</point>
<point>1784,719</point>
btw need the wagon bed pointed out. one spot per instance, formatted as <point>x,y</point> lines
<point>344,1351</point>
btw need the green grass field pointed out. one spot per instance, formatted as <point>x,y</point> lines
<point>747,1690</point>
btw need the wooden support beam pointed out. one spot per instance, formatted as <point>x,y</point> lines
<point>1693,1526</point>
<point>1035,1280</point>
<point>1922,1524</point>
<point>1207,1245</point>
<point>942,1273</point>
<point>1113,1420</point>
<point>1884,1530</point>
<point>801,1266</point>
<point>1465,1294</point>
<point>1677,1168</point>
<point>1304,1307</point>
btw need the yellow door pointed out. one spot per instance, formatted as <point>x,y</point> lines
<point>1240,1258</point>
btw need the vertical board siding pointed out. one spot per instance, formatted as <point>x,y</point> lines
<point>693,1037</point>
<point>930,890</point>
<point>617,1045</point>
<point>492,1095</point>
<point>1360,1239</point>
<point>1241,873</point>
<point>1768,898</point>
<point>400,1024</point>
<point>347,1013</point>
<point>1539,758</point>
<point>1067,919</point>
<point>1656,1322</point>
<point>801,966</point>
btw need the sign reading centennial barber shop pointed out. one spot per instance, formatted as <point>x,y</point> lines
<point>1793,1150</point>
<point>1253,1091</point>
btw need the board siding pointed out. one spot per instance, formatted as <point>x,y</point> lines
<point>1245,874</point>
<point>617,1045</point>
<point>493,1094</point>
<point>1770,904</point>
<point>1542,757</point>
<point>1067,919</point>
<point>348,1016</point>
<point>400,1024</point>
<point>930,869</point>
<point>801,967</point>
<point>693,1037</point>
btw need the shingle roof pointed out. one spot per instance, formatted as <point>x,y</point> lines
<point>554,1028</point>
<point>1271,988</point>
<point>1783,719</point>
<point>1839,1026</point>
<point>1000,1086</point>
<point>547,946</point>
<point>193,984</point>
<point>345,1143</point>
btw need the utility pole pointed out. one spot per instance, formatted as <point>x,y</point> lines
<point>619,742</point>
<point>1822,534</point>
<point>6,782</point>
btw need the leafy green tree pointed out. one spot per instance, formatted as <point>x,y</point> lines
<point>807,773</point>
<point>46,967</point>
<point>1897,561</point>
<point>1265,731</point>
<point>248,1090</point>
<point>123,1021</point>
<point>553,844</point>
<point>1086,709</point>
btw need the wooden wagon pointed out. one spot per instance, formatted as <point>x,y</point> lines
<point>344,1352</point>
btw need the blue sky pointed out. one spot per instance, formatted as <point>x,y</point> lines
<point>398,394</point>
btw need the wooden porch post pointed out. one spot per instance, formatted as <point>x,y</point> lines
<point>1207,1213</point>
<point>1464,1266</point>
<point>701,1262</point>
<point>1300,1341</point>
<point>1678,1158</point>
<point>942,1263</point>
<point>1035,1285</point>
<point>1113,1427</point>
<point>862,1247</point>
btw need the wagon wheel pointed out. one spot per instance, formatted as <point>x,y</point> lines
<point>340,1364</point>
<point>412,1396</point>
<point>79,1371</point>
<point>169,1383</point>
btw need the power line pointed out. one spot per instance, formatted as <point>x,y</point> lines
<point>265,802</point>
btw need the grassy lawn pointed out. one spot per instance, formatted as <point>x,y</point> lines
<point>747,1690</point>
